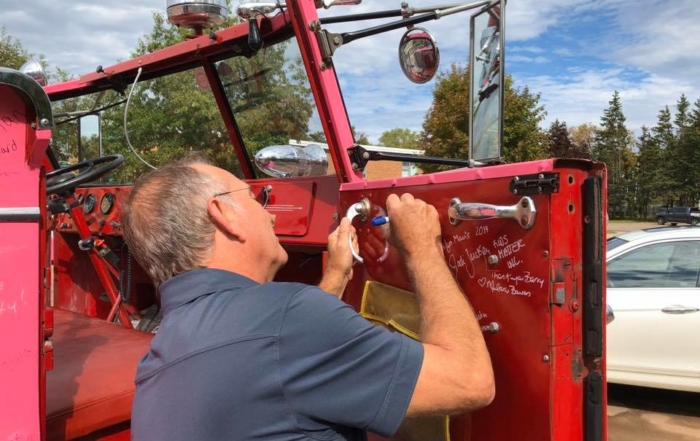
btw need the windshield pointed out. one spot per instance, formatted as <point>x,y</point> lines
<point>270,97</point>
<point>391,110</point>
<point>167,118</point>
<point>615,242</point>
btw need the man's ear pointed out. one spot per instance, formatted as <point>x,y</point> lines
<point>225,218</point>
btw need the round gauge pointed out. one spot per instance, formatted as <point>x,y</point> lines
<point>89,204</point>
<point>106,203</point>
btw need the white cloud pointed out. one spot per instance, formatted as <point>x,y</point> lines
<point>581,96</point>
<point>526,59</point>
<point>528,49</point>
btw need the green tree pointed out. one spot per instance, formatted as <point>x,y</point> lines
<point>613,147</point>
<point>559,140</point>
<point>561,144</point>
<point>175,114</point>
<point>687,153</point>
<point>664,136</point>
<point>362,139</point>
<point>682,119</point>
<point>651,174</point>
<point>523,139</point>
<point>319,136</point>
<point>12,53</point>
<point>446,125</point>
<point>400,137</point>
<point>584,137</point>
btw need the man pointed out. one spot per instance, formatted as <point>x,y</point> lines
<point>239,357</point>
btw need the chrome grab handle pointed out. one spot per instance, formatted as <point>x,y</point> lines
<point>358,209</point>
<point>679,309</point>
<point>524,212</point>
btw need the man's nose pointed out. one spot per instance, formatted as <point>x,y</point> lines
<point>272,219</point>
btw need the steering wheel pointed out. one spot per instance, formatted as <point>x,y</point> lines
<point>62,179</point>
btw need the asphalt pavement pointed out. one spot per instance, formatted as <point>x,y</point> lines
<point>644,414</point>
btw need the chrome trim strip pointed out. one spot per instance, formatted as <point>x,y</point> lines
<point>20,214</point>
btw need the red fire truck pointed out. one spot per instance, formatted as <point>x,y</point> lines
<point>525,241</point>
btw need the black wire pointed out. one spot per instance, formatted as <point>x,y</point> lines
<point>94,112</point>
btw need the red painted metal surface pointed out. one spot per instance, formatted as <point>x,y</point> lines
<point>324,84</point>
<point>304,208</point>
<point>179,57</point>
<point>536,353</point>
<point>22,248</point>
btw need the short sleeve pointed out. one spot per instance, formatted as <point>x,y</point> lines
<point>338,368</point>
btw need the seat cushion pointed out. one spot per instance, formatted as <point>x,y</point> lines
<point>92,384</point>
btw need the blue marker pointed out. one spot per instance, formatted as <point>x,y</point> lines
<point>379,220</point>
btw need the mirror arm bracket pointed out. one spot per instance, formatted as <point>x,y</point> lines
<point>328,43</point>
<point>359,157</point>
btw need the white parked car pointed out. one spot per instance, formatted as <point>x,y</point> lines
<point>653,289</point>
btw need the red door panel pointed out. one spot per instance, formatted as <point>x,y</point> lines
<point>525,285</point>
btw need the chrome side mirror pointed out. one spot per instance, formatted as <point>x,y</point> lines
<point>487,84</point>
<point>252,10</point>
<point>35,70</point>
<point>419,55</point>
<point>609,314</point>
<point>286,161</point>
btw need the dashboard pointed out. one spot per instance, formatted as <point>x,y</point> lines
<point>305,208</point>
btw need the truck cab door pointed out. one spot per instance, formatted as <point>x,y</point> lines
<point>25,130</point>
<point>528,253</point>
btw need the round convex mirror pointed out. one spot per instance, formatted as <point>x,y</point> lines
<point>419,55</point>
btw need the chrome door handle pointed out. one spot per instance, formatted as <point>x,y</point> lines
<point>679,309</point>
<point>523,212</point>
<point>360,209</point>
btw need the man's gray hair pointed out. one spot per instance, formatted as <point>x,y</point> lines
<point>165,219</point>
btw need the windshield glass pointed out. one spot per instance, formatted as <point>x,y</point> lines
<point>389,109</point>
<point>167,118</point>
<point>615,242</point>
<point>271,100</point>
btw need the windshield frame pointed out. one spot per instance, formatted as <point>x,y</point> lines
<point>201,51</point>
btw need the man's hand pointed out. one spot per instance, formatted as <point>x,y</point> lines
<point>414,228</point>
<point>340,261</point>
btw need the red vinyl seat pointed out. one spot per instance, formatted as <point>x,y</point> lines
<point>92,384</point>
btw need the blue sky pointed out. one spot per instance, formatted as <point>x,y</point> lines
<point>575,53</point>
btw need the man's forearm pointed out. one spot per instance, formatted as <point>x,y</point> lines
<point>334,282</point>
<point>448,320</point>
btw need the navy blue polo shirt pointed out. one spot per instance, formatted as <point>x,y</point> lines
<point>237,360</point>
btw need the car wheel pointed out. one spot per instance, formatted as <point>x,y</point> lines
<point>694,221</point>
<point>660,220</point>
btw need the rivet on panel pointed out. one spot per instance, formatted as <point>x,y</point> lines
<point>545,358</point>
<point>493,259</point>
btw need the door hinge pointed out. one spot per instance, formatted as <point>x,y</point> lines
<point>543,183</point>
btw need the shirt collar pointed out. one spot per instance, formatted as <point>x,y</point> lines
<point>191,285</point>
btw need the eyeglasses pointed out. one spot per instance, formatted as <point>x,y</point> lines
<point>262,198</point>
